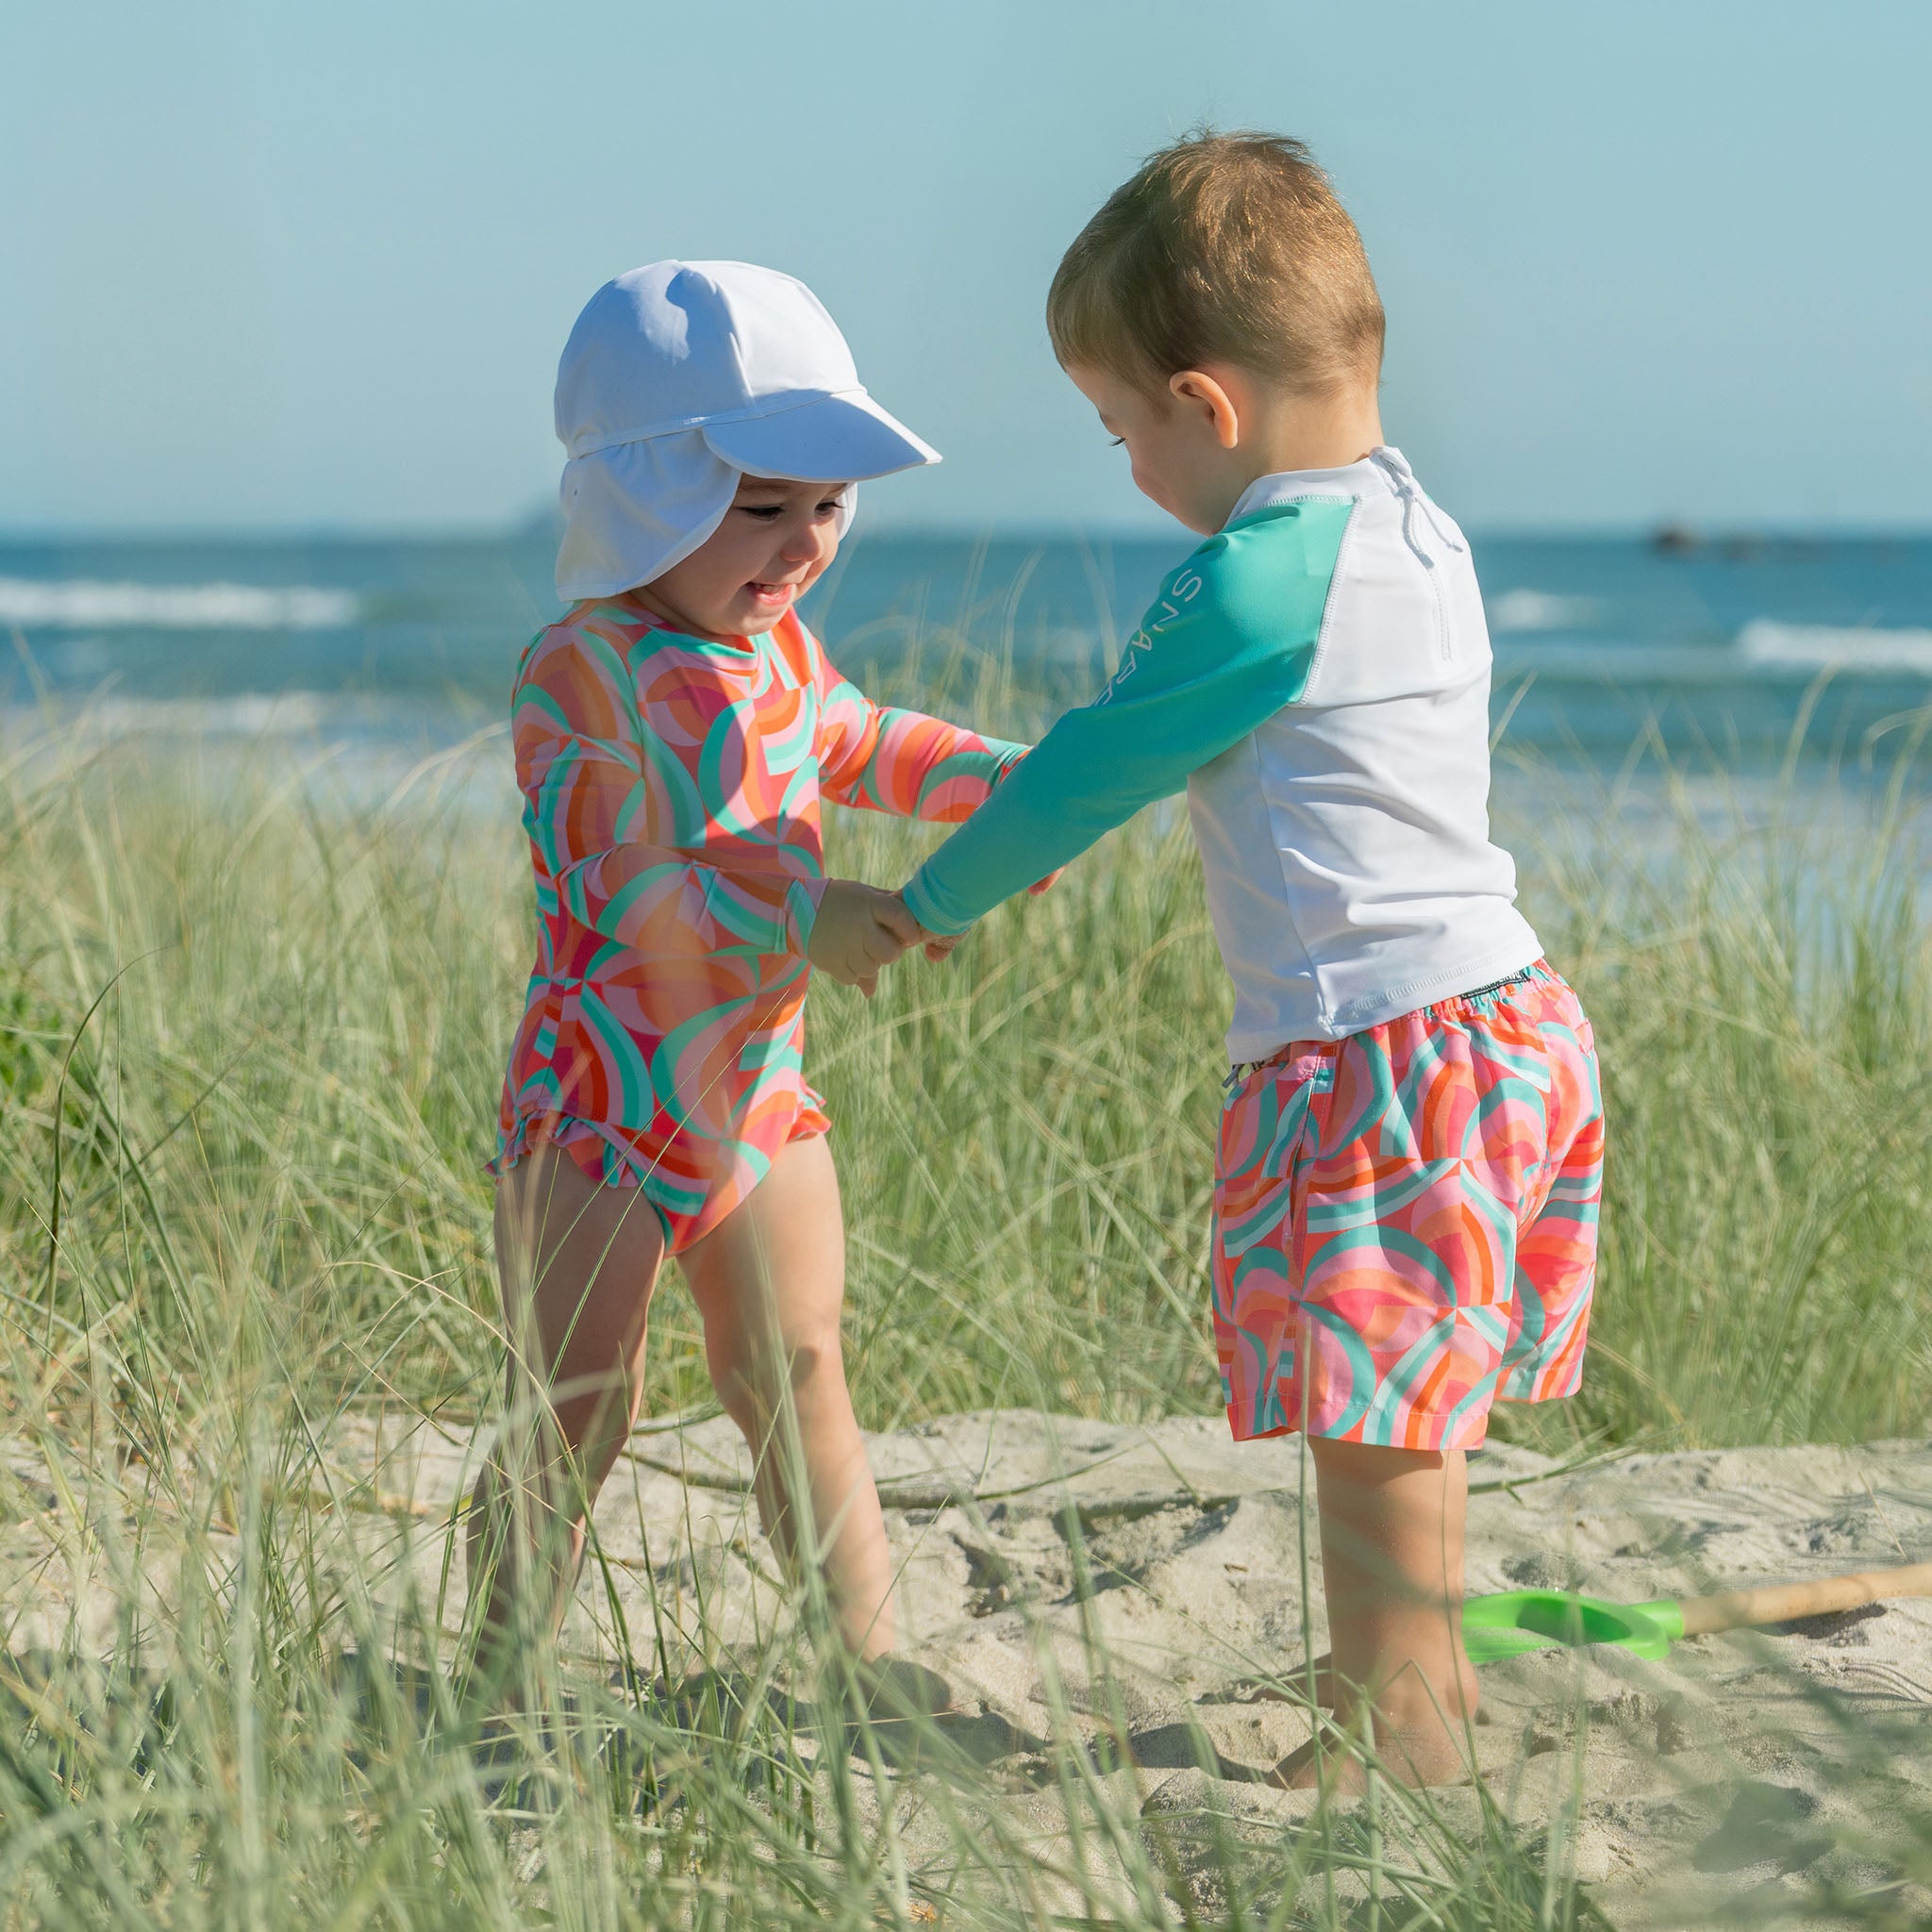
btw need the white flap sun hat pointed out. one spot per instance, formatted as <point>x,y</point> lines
<point>682,376</point>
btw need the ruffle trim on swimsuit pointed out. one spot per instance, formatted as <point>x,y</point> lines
<point>606,1154</point>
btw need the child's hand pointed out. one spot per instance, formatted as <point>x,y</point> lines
<point>937,945</point>
<point>859,929</point>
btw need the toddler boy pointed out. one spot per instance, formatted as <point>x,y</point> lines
<point>1411,1146</point>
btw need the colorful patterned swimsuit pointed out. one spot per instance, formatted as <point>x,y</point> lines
<point>671,789</point>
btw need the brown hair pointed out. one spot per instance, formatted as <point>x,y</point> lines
<point>1221,248</point>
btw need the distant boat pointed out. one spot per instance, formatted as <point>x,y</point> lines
<point>1734,546</point>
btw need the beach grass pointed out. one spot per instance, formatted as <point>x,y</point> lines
<point>252,1023</point>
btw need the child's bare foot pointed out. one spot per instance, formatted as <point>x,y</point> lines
<point>1418,1738</point>
<point>1302,1768</point>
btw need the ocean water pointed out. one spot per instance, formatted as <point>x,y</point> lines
<point>1711,653</point>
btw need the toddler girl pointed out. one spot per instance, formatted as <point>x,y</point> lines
<point>674,731</point>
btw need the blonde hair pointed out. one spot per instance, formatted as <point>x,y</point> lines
<point>1221,248</point>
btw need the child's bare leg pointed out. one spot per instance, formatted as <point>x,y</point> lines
<point>1392,1567</point>
<point>577,1263</point>
<point>770,1284</point>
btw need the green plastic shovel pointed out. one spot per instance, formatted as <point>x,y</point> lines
<point>1515,1621</point>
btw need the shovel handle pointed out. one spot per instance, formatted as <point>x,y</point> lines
<point>1738,1609</point>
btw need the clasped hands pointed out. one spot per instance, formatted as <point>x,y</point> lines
<point>859,929</point>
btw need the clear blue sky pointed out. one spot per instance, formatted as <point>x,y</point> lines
<point>295,264</point>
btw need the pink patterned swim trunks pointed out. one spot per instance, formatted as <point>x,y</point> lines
<point>1405,1221</point>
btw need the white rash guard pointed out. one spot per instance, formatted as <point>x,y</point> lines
<point>1317,676</point>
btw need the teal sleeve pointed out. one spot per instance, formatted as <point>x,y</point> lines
<point>1227,641</point>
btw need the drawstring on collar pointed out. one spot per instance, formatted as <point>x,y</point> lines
<point>1402,480</point>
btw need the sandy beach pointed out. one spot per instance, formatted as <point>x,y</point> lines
<point>1140,1587</point>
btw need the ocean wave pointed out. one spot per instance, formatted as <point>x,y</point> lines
<point>248,714</point>
<point>1619,662</point>
<point>1763,652</point>
<point>1768,645</point>
<point>1540,611</point>
<point>84,603</point>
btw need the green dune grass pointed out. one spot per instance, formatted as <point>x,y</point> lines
<point>251,1039</point>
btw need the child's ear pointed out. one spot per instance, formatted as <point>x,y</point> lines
<point>1202,394</point>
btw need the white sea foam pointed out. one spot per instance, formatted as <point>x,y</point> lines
<point>248,714</point>
<point>1618,662</point>
<point>84,604</point>
<point>1771,646</point>
<point>1540,610</point>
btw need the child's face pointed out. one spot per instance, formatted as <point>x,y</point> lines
<point>775,541</point>
<point>1198,444</point>
<point>1178,444</point>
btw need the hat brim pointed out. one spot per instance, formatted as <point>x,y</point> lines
<point>835,439</point>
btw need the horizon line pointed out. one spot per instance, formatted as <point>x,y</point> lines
<point>1670,531</point>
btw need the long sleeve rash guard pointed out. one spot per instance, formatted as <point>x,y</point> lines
<point>1316,676</point>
